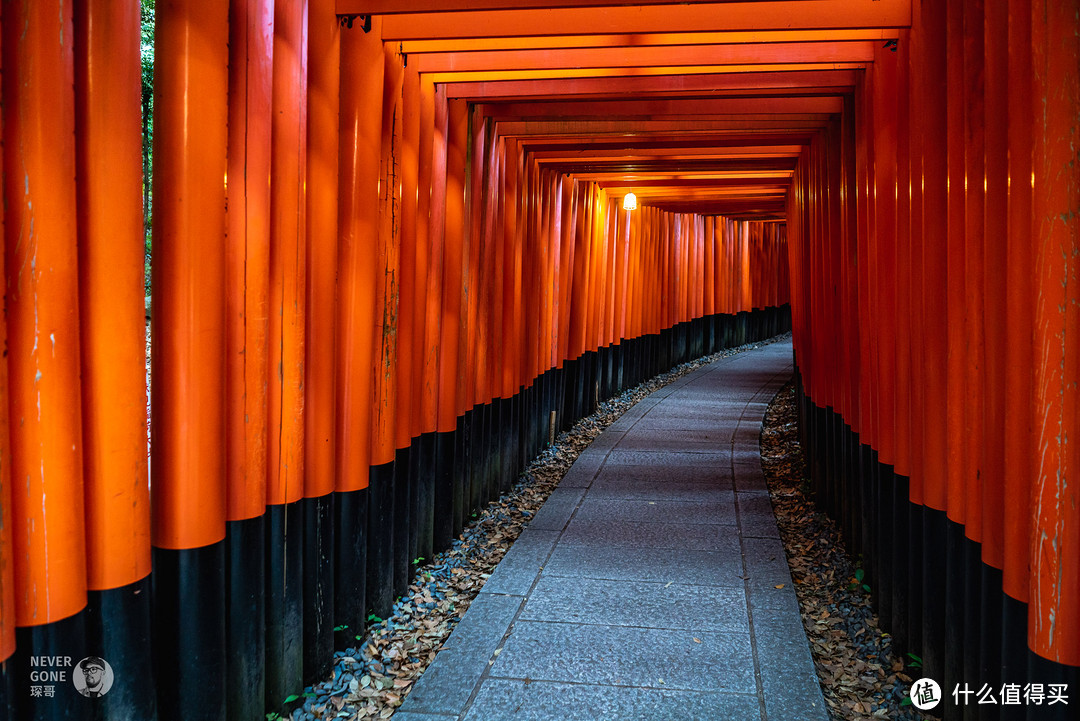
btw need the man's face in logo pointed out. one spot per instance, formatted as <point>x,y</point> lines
<point>92,673</point>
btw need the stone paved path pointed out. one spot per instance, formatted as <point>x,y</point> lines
<point>651,585</point>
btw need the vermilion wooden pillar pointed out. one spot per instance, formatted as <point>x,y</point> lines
<point>320,342</point>
<point>903,267</point>
<point>974,194</point>
<point>384,246</point>
<point>415,257</point>
<point>1020,300</point>
<point>112,327</point>
<point>955,262</point>
<point>43,390</point>
<point>247,258</point>
<point>453,275</point>
<point>432,163</point>
<point>285,371</point>
<point>360,138</point>
<point>429,288</point>
<point>1054,610</point>
<point>406,422</point>
<point>992,446</point>
<point>451,392</point>
<point>188,393</point>
<point>42,311</point>
<point>439,399</point>
<point>7,570</point>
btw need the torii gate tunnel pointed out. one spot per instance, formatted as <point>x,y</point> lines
<point>390,257</point>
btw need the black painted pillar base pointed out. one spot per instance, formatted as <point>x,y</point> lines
<point>402,522</point>
<point>380,540</point>
<point>350,565</point>
<point>443,488</point>
<point>7,689</point>
<point>245,617</point>
<point>66,639</point>
<point>285,581</point>
<point>189,633</point>
<point>318,587</point>
<point>461,475</point>
<point>425,490</point>
<point>118,630</point>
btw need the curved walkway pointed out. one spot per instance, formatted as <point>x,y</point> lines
<point>651,585</point>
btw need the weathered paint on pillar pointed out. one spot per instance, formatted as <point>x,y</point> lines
<point>110,231</point>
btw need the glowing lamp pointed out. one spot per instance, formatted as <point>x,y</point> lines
<point>629,202</point>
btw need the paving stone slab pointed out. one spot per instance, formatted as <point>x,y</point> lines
<point>638,603</point>
<point>745,482</point>
<point>766,563</point>
<point>666,459</point>
<point>505,700</point>
<point>703,568</point>
<point>643,441</point>
<point>720,512</point>
<point>518,569</point>
<point>447,684</point>
<point>636,534</point>
<point>656,658</point>
<point>609,487</point>
<point>483,626</point>
<point>781,643</point>
<point>748,440</point>
<point>756,516</point>
<point>749,459</point>
<point>584,470</point>
<point>635,412</point>
<point>606,441</point>
<point>557,509</point>
<point>418,716</point>
<point>771,601</point>
<point>675,422</point>
<point>719,474</point>
<point>725,414</point>
<point>793,697</point>
<point>706,435</point>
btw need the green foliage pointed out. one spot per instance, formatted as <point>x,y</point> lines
<point>416,561</point>
<point>860,574</point>
<point>915,661</point>
<point>146,52</point>
<point>342,627</point>
<point>291,697</point>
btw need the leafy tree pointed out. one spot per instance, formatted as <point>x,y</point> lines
<point>146,17</point>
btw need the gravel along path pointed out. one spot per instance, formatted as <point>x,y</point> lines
<point>370,680</point>
<point>861,676</point>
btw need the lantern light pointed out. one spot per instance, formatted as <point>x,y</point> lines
<point>629,202</point>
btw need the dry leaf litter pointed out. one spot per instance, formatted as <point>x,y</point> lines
<point>861,675</point>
